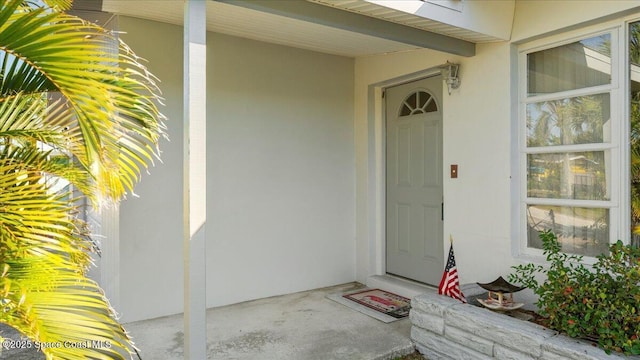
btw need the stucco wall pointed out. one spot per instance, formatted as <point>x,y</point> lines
<point>151,224</point>
<point>281,178</point>
<point>284,170</point>
<point>280,185</point>
<point>559,15</point>
<point>476,125</point>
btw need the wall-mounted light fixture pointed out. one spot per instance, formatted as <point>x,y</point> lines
<point>450,73</point>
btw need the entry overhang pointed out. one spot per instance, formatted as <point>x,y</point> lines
<point>362,24</point>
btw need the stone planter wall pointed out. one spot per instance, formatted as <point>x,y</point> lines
<point>444,328</point>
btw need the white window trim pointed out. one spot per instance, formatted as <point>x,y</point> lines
<point>618,178</point>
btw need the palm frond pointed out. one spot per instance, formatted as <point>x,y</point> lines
<point>111,96</point>
<point>35,220</point>
<point>29,124</point>
<point>50,167</point>
<point>44,256</point>
<point>68,309</point>
<point>99,132</point>
<point>30,117</point>
<point>59,5</point>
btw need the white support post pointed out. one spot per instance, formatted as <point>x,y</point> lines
<point>195,170</point>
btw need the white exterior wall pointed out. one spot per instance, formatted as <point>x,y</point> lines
<point>535,18</point>
<point>280,183</point>
<point>151,262</point>
<point>477,127</point>
<point>286,195</point>
<point>281,176</point>
<point>476,137</point>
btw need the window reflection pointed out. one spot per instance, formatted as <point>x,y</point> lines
<point>576,120</point>
<point>573,66</point>
<point>581,231</point>
<point>580,175</point>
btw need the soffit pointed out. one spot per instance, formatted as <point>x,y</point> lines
<point>262,26</point>
<point>274,28</point>
<point>403,18</point>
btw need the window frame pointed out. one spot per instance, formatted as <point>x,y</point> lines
<point>619,113</point>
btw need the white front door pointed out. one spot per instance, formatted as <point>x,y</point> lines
<point>414,180</point>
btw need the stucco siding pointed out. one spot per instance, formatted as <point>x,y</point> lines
<point>280,182</point>
<point>479,136</point>
<point>281,202</point>
<point>151,276</point>
<point>295,172</point>
<point>535,18</point>
<point>476,130</point>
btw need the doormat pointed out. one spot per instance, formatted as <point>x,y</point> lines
<point>382,305</point>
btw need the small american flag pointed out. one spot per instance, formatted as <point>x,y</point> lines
<point>450,285</point>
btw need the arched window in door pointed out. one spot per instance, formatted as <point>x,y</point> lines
<point>418,102</point>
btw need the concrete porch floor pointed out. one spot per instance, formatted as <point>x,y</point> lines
<point>300,326</point>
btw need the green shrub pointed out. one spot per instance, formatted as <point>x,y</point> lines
<point>599,302</point>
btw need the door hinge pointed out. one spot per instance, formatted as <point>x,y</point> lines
<point>383,93</point>
<point>442,211</point>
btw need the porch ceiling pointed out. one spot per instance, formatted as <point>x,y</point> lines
<point>400,17</point>
<point>243,19</point>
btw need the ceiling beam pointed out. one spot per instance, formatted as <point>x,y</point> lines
<point>345,20</point>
